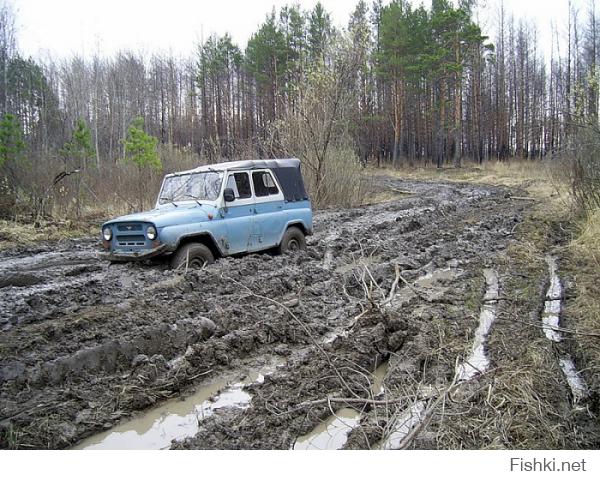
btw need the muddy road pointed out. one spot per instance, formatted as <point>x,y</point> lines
<point>379,335</point>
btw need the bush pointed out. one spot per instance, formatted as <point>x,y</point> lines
<point>343,184</point>
<point>584,168</point>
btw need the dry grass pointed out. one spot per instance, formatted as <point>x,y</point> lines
<point>525,401</point>
<point>588,240</point>
<point>343,184</point>
<point>18,234</point>
<point>541,180</point>
<point>583,311</point>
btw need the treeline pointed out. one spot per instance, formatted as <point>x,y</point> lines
<point>404,84</point>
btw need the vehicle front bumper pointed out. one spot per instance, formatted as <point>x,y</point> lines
<point>116,256</point>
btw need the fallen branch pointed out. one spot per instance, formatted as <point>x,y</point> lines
<point>559,329</point>
<point>392,293</point>
<point>413,289</point>
<point>430,409</point>
<point>302,325</point>
<point>528,199</point>
<point>401,192</point>
<point>365,401</point>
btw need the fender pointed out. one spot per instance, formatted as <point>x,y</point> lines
<point>215,245</point>
<point>295,223</point>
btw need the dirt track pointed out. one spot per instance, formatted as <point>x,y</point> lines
<point>85,344</point>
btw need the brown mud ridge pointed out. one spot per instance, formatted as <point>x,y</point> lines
<point>85,345</point>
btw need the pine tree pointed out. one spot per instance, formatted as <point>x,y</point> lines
<point>11,139</point>
<point>80,147</point>
<point>320,32</point>
<point>140,148</point>
<point>11,148</point>
<point>393,62</point>
<point>266,61</point>
<point>78,150</point>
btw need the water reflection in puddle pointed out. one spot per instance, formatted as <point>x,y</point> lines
<point>176,419</point>
<point>551,323</point>
<point>574,379</point>
<point>408,420</point>
<point>478,361</point>
<point>377,387</point>
<point>552,305</point>
<point>330,434</point>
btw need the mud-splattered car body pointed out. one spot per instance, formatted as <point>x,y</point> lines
<point>226,209</point>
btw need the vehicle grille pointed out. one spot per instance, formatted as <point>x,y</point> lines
<point>131,240</point>
<point>129,227</point>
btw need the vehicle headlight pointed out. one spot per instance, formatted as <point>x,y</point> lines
<point>107,233</point>
<point>151,232</point>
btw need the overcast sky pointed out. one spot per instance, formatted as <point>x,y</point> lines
<point>64,27</point>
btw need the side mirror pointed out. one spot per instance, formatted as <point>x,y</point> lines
<point>228,195</point>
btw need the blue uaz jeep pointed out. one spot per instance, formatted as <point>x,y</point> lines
<point>217,210</point>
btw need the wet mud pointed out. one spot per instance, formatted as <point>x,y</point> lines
<point>373,317</point>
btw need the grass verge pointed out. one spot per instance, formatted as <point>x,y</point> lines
<point>15,234</point>
<point>525,401</point>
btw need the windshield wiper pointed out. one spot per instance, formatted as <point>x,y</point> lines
<point>195,198</point>
<point>170,200</point>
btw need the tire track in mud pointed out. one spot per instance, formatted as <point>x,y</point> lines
<point>552,329</point>
<point>412,412</point>
<point>112,343</point>
<point>345,344</point>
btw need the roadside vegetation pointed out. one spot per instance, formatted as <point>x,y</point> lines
<point>564,222</point>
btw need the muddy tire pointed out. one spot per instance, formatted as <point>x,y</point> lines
<point>192,255</point>
<point>292,241</point>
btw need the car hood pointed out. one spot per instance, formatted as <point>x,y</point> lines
<point>171,215</point>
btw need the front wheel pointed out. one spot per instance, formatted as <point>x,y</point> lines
<point>292,241</point>
<point>192,255</point>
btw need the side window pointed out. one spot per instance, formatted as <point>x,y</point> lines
<point>264,184</point>
<point>240,184</point>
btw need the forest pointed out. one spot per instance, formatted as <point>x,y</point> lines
<point>443,291</point>
<point>399,85</point>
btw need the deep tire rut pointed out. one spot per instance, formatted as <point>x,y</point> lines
<point>79,356</point>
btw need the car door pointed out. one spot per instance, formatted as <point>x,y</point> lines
<point>269,220</point>
<point>238,215</point>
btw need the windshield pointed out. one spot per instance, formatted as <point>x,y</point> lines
<point>195,186</point>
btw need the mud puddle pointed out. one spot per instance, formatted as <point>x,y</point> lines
<point>406,422</point>
<point>431,279</point>
<point>378,378</point>
<point>551,322</point>
<point>440,226</point>
<point>431,286</point>
<point>178,419</point>
<point>478,362</point>
<point>362,263</point>
<point>552,305</point>
<point>332,433</point>
<point>576,382</point>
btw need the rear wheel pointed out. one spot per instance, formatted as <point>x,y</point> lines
<point>292,241</point>
<point>192,255</point>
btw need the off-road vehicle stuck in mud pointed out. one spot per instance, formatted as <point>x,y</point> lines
<point>416,322</point>
<point>216,211</point>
